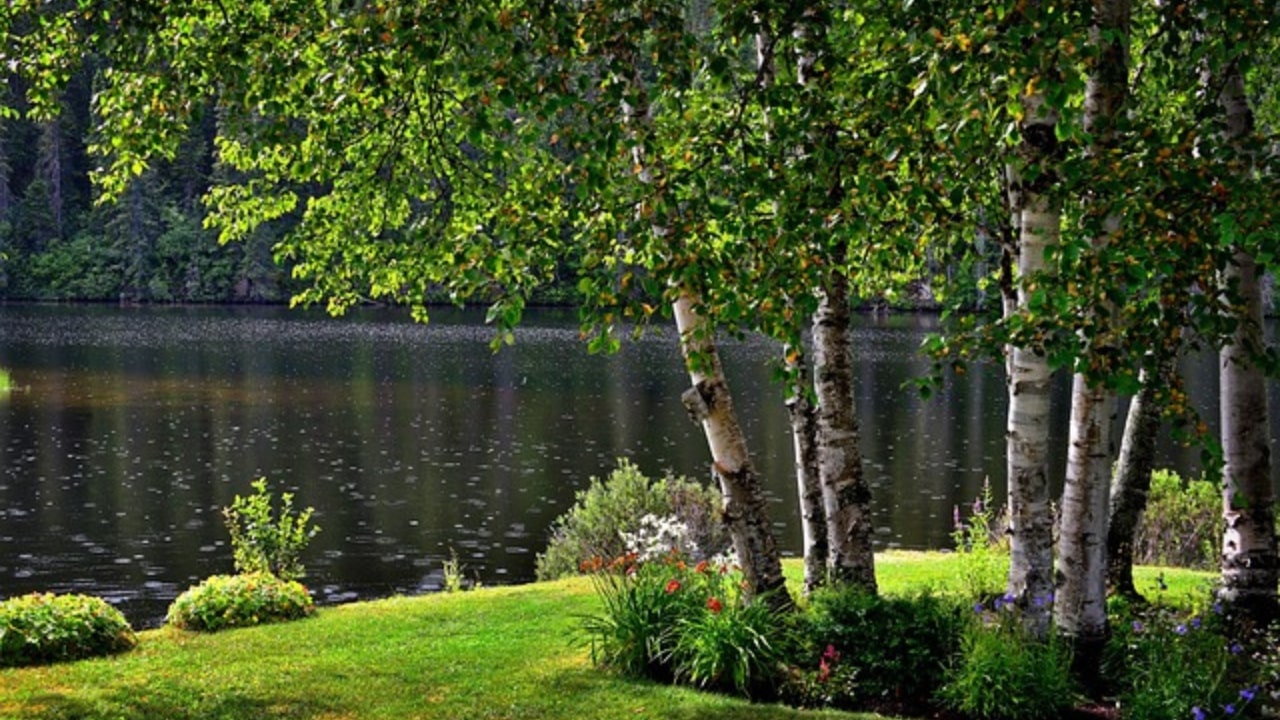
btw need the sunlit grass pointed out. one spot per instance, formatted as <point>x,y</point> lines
<point>6,382</point>
<point>507,652</point>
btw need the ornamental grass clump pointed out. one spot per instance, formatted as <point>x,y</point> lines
<point>1004,672</point>
<point>43,628</point>
<point>672,620</point>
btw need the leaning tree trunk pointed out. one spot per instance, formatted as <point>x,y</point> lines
<point>813,519</point>
<point>1080,606</point>
<point>844,488</point>
<point>1132,483</point>
<point>745,511</point>
<point>1027,435</point>
<point>1249,555</point>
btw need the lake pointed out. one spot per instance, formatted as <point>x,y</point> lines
<point>133,426</point>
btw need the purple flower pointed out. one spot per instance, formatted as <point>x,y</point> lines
<point>1197,713</point>
<point>1248,693</point>
<point>1195,623</point>
<point>1181,629</point>
<point>999,604</point>
<point>1235,648</point>
<point>1137,626</point>
<point>1217,608</point>
<point>977,607</point>
<point>1229,709</point>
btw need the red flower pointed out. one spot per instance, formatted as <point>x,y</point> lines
<point>713,604</point>
<point>701,568</point>
<point>672,585</point>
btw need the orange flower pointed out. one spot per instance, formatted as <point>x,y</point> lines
<point>713,604</point>
<point>672,585</point>
<point>701,568</point>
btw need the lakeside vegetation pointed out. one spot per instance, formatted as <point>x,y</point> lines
<point>503,652</point>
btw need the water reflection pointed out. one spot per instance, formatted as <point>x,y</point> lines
<point>133,426</point>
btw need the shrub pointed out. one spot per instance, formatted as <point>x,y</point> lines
<point>1005,673</point>
<point>606,512</point>
<point>42,628</point>
<point>1182,524</point>
<point>666,620</point>
<point>227,601</point>
<point>871,651</point>
<point>1171,666</point>
<point>263,541</point>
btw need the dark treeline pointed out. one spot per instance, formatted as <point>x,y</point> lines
<point>56,243</point>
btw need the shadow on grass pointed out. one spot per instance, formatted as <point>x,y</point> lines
<point>165,703</point>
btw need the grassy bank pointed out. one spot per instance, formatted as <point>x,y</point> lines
<point>496,653</point>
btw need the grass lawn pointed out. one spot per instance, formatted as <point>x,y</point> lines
<point>506,652</point>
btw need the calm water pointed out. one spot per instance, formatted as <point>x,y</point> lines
<point>132,427</point>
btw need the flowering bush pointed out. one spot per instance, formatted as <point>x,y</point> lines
<point>42,628</point>
<point>669,619</point>
<point>982,547</point>
<point>1172,666</point>
<point>628,510</point>
<point>228,601</point>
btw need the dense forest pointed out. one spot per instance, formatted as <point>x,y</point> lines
<point>57,243</point>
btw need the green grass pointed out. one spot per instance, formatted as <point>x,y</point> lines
<point>507,652</point>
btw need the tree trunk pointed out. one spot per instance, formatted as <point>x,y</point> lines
<point>813,520</point>
<point>844,489</point>
<point>1080,607</point>
<point>1249,560</point>
<point>1080,604</point>
<point>745,511</point>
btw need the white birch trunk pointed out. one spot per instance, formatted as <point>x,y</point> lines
<point>745,512</point>
<point>813,519</point>
<point>1080,607</point>
<point>1249,554</point>
<point>844,489</point>
<point>1027,436</point>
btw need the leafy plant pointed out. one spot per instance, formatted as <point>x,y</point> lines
<point>1004,672</point>
<point>982,548</point>
<point>607,511</point>
<point>873,651</point>
<point>1171,665</point>
<point>454,581</point>
<point>263,541</point>
<point>42,628</point>
<point>228,601</point>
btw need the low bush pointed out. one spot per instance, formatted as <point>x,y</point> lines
<point>43,628</point>
<point>1005,673</point>
<point>875,652</point>
<point>228,601</point>
<point>669,620</point>
<point>612,517</point>
<point>1182,525</point>
<point>982,548</point>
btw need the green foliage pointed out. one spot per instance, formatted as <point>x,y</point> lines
<point>665,619</point>
<point>608,510</point>
<point>264,541</point>
<point>454,581</point>
<point>1005,673</point>
<point>875,651</point>
<point>983,549</point>
<point>43,628</point>
<point>6,381</point>
<point>230,601</point>
<point>1168,665</point>
<point>1182,525</point>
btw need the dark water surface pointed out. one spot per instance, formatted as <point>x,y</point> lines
<point>132,427</point>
